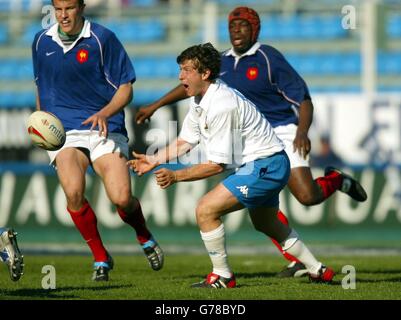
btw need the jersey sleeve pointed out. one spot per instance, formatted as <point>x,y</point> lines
<point>117,64</point>
<point>289,83</point>
<point>190,129</point>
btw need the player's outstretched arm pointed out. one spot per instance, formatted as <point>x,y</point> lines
<point>165,177</point>
<point>143,163</point>
<point>175,95</point>
<point>121,98</point>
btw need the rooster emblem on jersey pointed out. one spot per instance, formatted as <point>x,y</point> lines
<point>252,73</point>
<point>82,56</point>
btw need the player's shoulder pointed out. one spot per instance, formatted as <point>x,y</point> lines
<point>40,35</point>
<point>101,31</point>
<point>226,97</point>
<point>270,50</point>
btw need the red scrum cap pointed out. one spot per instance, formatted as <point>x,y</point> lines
<point>249,15</point>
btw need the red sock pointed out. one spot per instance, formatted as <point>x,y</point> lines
<point>286,255</point>
<point>330,183</point>
<point>86,222</point>
<point>137,221</point>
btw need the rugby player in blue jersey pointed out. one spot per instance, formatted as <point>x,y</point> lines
<point>84,76</point>
<point>262,74</point>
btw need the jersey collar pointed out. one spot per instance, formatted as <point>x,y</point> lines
<point>251,51</point>
<point>53,32</point>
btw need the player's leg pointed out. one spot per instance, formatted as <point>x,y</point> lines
<point>265,220</point>
<point>348,186</point>
<point>72,164</point>
<point>10,253</point>
<point>310,192</point>
<point>255,183</point>
<point>306,190</point>
<point>209,210</point>
<point>295,268</point>
<point>113,170</point>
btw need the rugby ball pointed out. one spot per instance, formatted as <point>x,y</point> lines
<point>46,130</point>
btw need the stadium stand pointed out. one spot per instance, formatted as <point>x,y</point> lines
<point>275,27</point>
<point>142,3</point>
<point>311,37</point>
<point>3,34</point>
<point>393,26</point>
<point>138,31</point>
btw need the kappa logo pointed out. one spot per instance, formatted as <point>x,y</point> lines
<point>243,190</point>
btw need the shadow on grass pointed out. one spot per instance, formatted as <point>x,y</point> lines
<point>394,279</point>
<point>239,275</point>
<point>379,271</point>
<point>249,275</point>
<point>58,293</point>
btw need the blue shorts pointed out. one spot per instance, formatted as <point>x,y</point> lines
<point>258,183</point>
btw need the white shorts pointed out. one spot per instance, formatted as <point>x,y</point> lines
<point>96,145</point>
<point>287,135</point>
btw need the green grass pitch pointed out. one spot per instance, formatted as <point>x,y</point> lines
<point>376,278</point>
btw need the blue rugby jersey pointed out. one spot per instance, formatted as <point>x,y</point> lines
<point>76,82</point>
<point>265,77</point>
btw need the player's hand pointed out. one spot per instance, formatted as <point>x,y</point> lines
<point>165,177</point>
<point>99,121</point>
<point>302,144</point>
<point>144,113</point>
<point>142,163</point>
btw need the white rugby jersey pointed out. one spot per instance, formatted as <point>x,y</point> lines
<point>230,128</point>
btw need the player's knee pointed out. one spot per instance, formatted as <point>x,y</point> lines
<point>123,200</point>
<point>75,199</point>
<point>203,213</point>
<point>307,198</point>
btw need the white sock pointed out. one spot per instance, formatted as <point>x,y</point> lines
<point>216,247</point>
<point>294,246</point>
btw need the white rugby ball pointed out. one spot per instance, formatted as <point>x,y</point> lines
<point>46,130</point>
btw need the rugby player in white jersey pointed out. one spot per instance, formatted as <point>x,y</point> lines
<point>233,133</point>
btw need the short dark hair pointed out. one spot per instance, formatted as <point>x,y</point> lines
<point>204,56</point>
<point>80,2</point>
